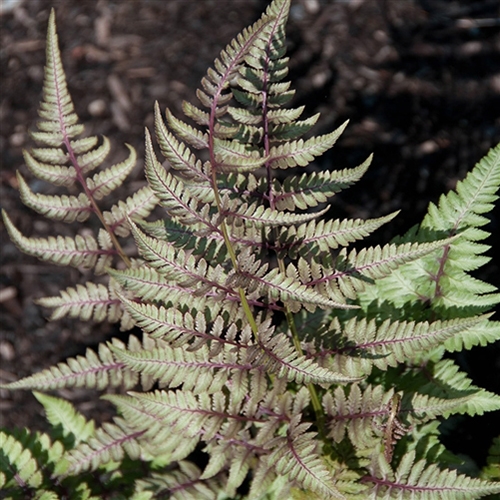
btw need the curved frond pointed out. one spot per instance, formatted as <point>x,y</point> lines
<point>60,208</point>
<point>191,135</point>
<point>90,160</point>
<point>176,152</point>
<point>59,175</point>
<point>172,192</point>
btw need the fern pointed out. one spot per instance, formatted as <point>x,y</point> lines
<point>298,366</point>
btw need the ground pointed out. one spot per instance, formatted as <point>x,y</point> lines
<point>419,81</point>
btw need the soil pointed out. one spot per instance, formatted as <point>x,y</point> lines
<point>419,81</point>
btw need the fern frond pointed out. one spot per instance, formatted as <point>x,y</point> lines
<point>357,413</point>
<point>94,370</point>
<point>288,288</point>
<point>275,353</point>
<point>177,153</point>
<point>181,266</point>
<point>18,467</point>
<point>394,342</point>
<point>60,412</point>
<point>168,418</point>
<point>173,367</point>
<point>182,483</point>
<point>61,250</point>
<point>300,152</point>
<point>232,156</point>
<point>259,215</point>
<point>90,160</point>
<point>289,132</point>
<point>314,238</point>
<point>59,120</point>
<point>296,456</point>
<point>475,195</point>
<point>136,208</point>
<point>87,302</point>
<point>172,193</point>
<point>171,325</point>
<point>227,65</point>
<point>444,380</point>
<point>109,443</point>
<point>60,208</point>
<point>420,481</point>
<point>59,175</point>
<point>355,269</point>
<point>185,132</point>
<point>441,279</point>
<point>105,181</point>
<point>308,190</point>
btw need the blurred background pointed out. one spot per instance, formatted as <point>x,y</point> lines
<point>419,81</point>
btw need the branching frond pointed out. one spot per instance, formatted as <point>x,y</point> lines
<point>442,279</point>
<point>300,367</point>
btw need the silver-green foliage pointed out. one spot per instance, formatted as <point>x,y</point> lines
<point>299,367</point>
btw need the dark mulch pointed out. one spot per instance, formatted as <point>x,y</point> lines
<point>419,80</point>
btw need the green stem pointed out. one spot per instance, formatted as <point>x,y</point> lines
<point>232,255</point>
<point>315,401</point>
